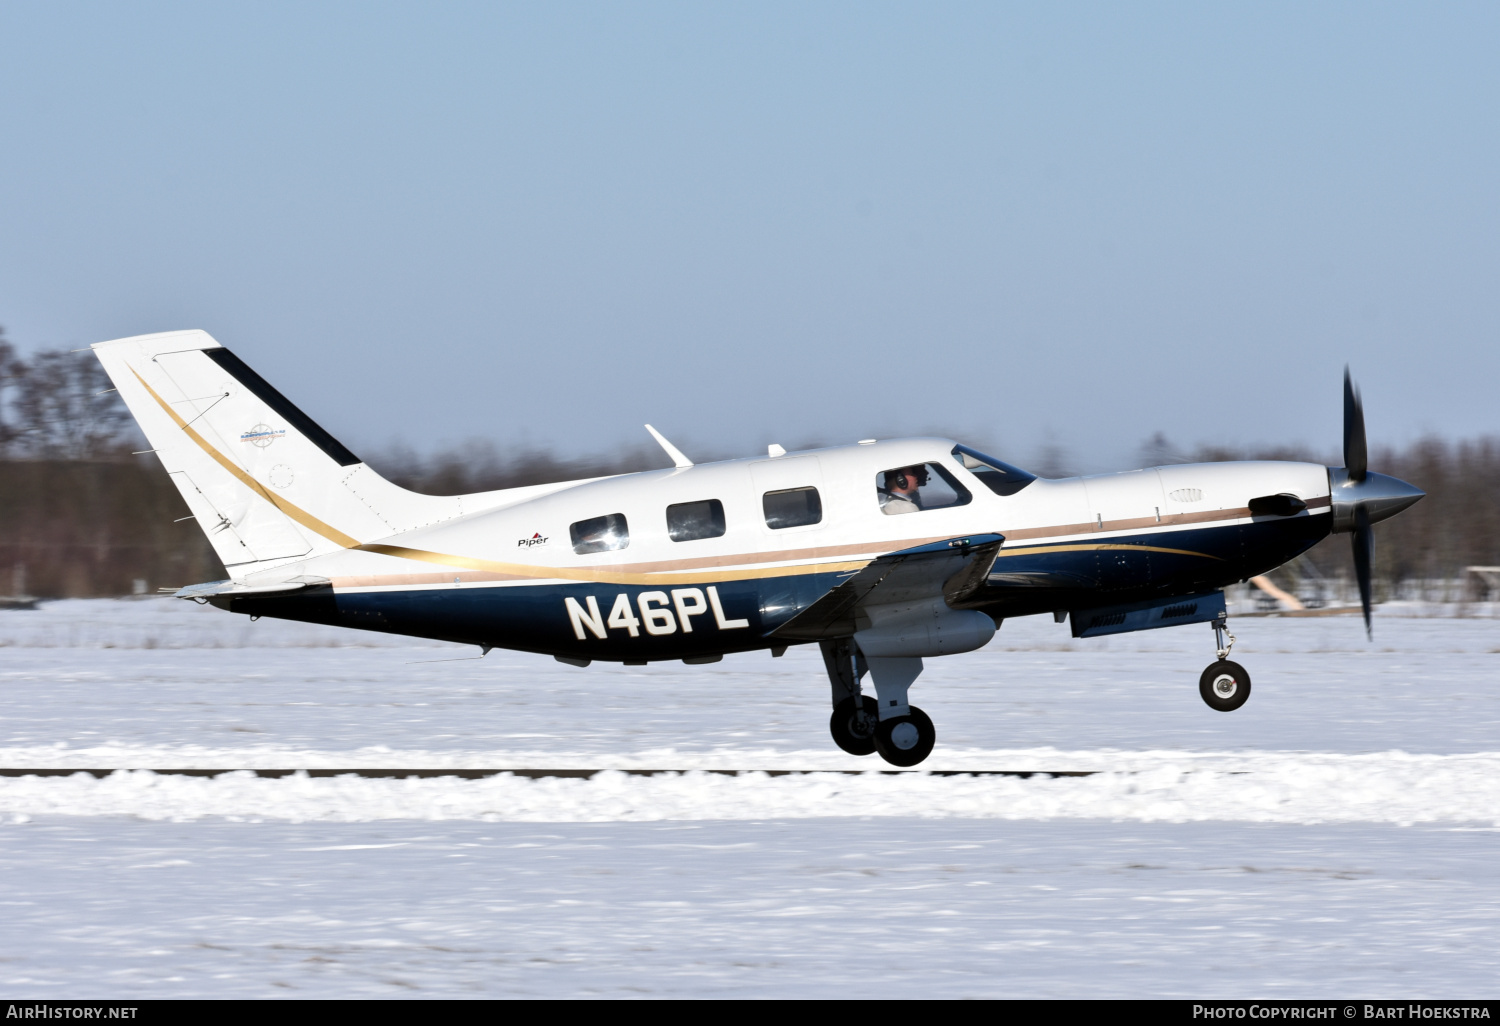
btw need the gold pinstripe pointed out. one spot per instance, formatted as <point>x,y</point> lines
<point>297,513</point>
<point>522,571</point>
<point>1106,547</point>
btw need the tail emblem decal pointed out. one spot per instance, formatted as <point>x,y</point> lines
<point>298,514</point>
<point>262,435</point>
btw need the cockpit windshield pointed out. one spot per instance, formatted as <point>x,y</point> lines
<point>1000,478</point>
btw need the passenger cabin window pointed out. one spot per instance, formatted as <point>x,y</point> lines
<point>918,487</point>
<point>601,534</point>
<point>1000,478</point>
<point>792,507</point>
<point>689,521</point>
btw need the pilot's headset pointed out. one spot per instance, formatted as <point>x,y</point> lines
<point>902,478</point>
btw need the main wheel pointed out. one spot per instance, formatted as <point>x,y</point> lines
<point>906,740</point>
<point>1225,686</point>
<point>845,728</point>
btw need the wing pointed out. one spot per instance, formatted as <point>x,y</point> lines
<point>953,569</point>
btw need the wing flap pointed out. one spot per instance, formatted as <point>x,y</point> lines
<point>953,568</point>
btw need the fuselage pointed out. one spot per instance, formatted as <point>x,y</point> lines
<point>713,558</point>
<point>884,553</point>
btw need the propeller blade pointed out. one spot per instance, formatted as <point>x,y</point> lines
<point>1364,559</point>
<point>1356,456</point>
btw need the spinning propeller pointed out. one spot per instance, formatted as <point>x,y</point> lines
<point>1360,498</point>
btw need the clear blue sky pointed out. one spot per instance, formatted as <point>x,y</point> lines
<point>749,223</point>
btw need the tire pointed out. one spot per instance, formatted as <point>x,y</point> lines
<point>896,744</point>
<point>841,726</point>
<point>1225,686</point>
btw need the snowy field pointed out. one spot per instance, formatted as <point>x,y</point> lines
<point>1335,837</point>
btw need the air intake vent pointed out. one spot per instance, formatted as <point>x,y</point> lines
<point>1284,505</point>
<point>1185,609</point>
<point>1186,495</point>
<point>1108,620</point>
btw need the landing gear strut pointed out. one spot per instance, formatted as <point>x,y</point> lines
<point>1224,685</point>
<point>855,714</point>
<point>861,725</point>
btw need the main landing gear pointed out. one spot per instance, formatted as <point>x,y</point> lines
<point>861,725</point>
<point>1225,685</point>
<point>855,734</point>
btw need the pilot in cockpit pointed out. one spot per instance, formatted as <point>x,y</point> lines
<point>901,493</point>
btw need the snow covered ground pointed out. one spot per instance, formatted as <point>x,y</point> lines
<point>1336,836</point>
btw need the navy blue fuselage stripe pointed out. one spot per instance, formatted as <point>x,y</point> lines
<point>535,617</point>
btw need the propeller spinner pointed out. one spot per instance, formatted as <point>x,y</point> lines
<point>1362,499</point>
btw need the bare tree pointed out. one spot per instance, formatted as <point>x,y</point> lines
<point>66,409</point>
<point>11,369</point>
<point>1052,459</point>
<point>86,519</point>
<point>1158,451</point>
<point>479,465</point>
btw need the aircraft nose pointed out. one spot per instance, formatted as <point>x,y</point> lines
<point>1379,495</point>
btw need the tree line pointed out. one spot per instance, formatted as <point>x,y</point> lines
<point>83,512</point>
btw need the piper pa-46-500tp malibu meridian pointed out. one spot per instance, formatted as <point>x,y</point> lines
<point>885,553</point>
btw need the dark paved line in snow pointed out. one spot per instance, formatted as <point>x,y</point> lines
<point>479,774</point>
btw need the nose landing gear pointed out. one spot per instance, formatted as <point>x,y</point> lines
<point>1224,685</point>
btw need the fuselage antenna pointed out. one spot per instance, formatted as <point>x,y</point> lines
<point>679,461</point>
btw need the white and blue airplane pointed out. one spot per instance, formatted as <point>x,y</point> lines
<point>884,553</point>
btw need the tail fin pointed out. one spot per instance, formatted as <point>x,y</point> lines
<point>266,483</point>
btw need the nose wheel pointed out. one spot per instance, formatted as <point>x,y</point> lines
<point>1224,685</point>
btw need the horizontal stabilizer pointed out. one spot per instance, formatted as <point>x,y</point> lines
<point>213,589</point>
